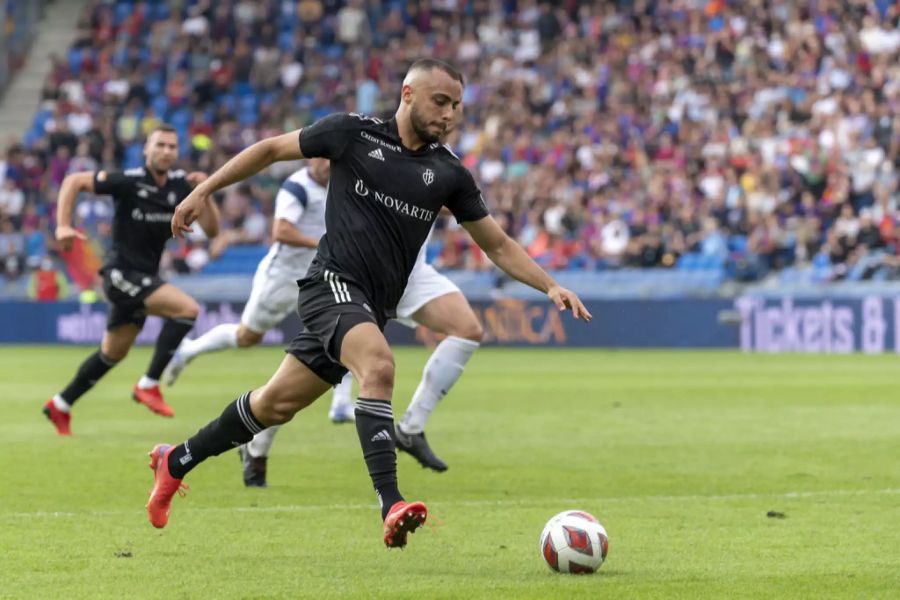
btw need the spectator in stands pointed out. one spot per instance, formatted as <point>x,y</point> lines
<point>47,283</point>
<point>12,201</point>
<point>12,250</point>
<point>774,120</point>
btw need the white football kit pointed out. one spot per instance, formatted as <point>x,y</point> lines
<point>301,201</point>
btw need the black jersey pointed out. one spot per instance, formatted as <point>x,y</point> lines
<point>142,217</point>
<point>382,201</point>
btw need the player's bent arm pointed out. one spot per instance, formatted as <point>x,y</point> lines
<point>248,162</point>
<point>209,218</point>
<point>71,186</point>
<point>507,254</point>
<point>252,160</point>
<point>284,231</point>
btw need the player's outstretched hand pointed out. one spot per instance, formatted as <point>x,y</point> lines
<point>564,299</point>
<point>187,212</point>
<point>66,235</point>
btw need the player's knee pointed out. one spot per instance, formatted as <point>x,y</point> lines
<point>469,329</point>
<point>378,374</point>
<point>247,337</point>
<point>273,406</point>
<point>190,310</point>
<point>114,354</point>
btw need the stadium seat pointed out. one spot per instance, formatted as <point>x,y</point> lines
<point>160,106</point>
<point>286,40</point>
<point>134,155</point>
<point>76,57</point>
<point>122,11</point>
<point>154,84</point>
<point>243,88</point>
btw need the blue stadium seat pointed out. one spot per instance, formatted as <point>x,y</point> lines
<point>689,261</point>
<point>180,118</point>
<point>737,243</point>
<point>248,117</point>
<point>123,11</point>
<point>160,106</point>
<point>75,56</point>
<point>243,88</point>
<point>286,40</point>
<point>161,11</point>
<point>154,84</point>
<point>229,101</point>
<point>821,260</point>
<point>247,102</point>
<point>134,155</point>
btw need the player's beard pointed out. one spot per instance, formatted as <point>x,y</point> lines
<point>157,168</point>
<point>420,127</point>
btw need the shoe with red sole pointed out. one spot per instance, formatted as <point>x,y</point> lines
<point>152,399</point>
<point>164,486</point>
<point>59,419</point>
<point>403,518</point>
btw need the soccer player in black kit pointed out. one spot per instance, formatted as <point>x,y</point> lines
<point>144,201</point>
<point>388,182</point>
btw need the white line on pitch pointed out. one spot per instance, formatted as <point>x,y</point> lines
<point>468,503</point>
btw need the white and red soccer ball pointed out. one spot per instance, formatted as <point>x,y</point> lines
<point>574,542</point>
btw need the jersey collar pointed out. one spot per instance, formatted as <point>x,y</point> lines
<point>394,132</point>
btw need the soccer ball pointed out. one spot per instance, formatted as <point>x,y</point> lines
<point>574,542</point>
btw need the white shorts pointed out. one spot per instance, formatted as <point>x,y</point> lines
<point>424,285</point>
<point>271,300</point>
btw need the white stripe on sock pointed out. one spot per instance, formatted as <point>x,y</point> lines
<point>243,406</point>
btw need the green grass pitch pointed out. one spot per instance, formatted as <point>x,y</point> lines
<point>680,455</point>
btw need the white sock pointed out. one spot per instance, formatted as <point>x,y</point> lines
<point>262,442</point>
<point>60,404</point>
<point>343,393</point>
<point>220,337</point>
<point>146,383</point>
<point>441,371</point>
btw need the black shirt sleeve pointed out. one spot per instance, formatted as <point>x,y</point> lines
<point>329,136</point>
<point>467,203</point>
<point>111,183</point>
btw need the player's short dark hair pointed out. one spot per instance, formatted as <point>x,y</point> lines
<point>164,127</point>
<point>427,64</point>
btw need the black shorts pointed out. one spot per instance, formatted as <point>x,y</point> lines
<point>329,308</point>
<point>126,291</point>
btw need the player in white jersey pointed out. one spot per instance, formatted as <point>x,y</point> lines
<point>298,224</point>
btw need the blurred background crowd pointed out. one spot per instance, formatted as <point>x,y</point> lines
<point>748,137</point>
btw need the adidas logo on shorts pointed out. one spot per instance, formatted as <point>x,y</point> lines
<point>381,436</point>
<point>376,153</point>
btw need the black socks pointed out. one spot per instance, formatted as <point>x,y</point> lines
<point>375,427</point>
<point>90,371</point>
<point>235,426</point>
<point>173,331</point>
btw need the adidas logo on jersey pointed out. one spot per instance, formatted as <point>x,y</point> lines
<point>381,436</point>
<point>376,153</point>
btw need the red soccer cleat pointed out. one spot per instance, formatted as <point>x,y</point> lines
<point>403,518</point>
<point>164,486</point>
<point>152,399</point>
<point>59,419</point>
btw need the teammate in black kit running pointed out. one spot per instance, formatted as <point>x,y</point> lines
<point>388,182</point>
<point>143,200</point>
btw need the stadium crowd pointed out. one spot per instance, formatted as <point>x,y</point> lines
<point>747,136</point>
